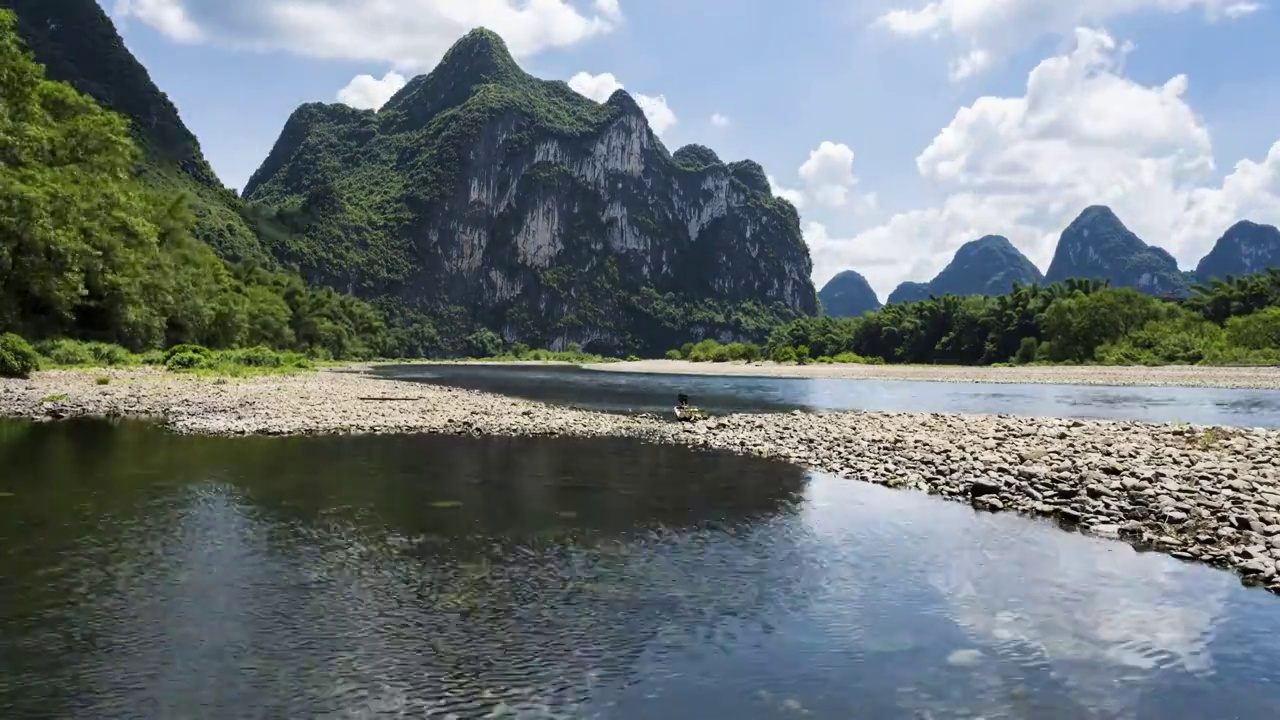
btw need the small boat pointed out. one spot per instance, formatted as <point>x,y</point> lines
<point>686,413</point>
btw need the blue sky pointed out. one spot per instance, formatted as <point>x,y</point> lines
<point>901,128</point>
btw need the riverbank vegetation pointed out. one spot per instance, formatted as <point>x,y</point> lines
<point>1230,321</point>
<point>18,358</point>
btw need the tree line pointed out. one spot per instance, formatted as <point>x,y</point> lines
<point>1228,321</point>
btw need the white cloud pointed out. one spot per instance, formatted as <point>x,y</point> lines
<point>1081,134</point>
<point>599,87</point>
<point>985,30</point>
<point>718,120</point>
<point>411,35</point>
<point>369,93</point>
<point>828,174</point>
<point>167,16</point>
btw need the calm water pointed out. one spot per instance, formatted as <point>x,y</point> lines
<point>150,575</point>
<point>650,392</point>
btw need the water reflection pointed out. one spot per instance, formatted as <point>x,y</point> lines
<point>197,577</point>
<point>638,392</point>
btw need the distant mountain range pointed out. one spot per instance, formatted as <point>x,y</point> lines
<point>1096,245</point>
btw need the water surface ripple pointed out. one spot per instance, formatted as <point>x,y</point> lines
<point>149,575</point>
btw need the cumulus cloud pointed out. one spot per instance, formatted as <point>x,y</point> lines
<point>828,174</point>
<point>599,87</point>
<point>826,180</point>
<point>1082,133</point>
<point>167,16</point>
<point>411,35</point>
<point>367,92</point>
<point>718,120</point>
<point>984,30</point>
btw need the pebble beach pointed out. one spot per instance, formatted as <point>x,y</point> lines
<point>1202,494</point>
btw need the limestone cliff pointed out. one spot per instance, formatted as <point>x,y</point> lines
<point>523,207</point>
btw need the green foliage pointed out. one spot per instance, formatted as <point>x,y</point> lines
<point>712,351</point>
<point>185,361</point>
<point>186,349</point>
<point>1077,321</point>
<point>484,343</point>
<point>78,45</point>
<point>236,362</point>
<point>17,358</point>
<point>88,250</point>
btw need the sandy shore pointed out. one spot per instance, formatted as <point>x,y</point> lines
<point>1263,378</point>
<point>1210,495</point>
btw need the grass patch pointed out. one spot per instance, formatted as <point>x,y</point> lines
<point>56,397</point>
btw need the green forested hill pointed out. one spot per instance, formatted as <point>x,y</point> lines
<point>487,198</point>
<point>90,250</point>
<point>78,44</point>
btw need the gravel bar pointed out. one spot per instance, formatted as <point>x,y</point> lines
<point>1198,493</point>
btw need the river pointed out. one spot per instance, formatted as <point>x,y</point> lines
<point>144,574</point>
<point>651,392</point>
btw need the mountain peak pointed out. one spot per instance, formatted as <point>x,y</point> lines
<point>993,241</point>
<point>989,265</point>
<point>1097,245</point>
<point>1095,214</point>
<point>1246,247</point>
<point>695,157</point>
<point>480,52</point>
<point>848,294</point>
<point>622,100</point>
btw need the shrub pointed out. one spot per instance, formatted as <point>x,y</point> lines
<point>802,355</point>
<point>674,355</point>
<point>187,360</point>
<point>784,354</point>
<point>66,352</point>
<point>152,357</point>
<point>186,348</point>
<point>260,356</point>
<point>1027,350</point>
<point>17,358</point>
<point>108,354</point>
<point>102,380</point>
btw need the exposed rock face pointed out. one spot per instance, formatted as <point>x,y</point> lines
<point>848,294</point>
<point>989,265</point>
<point>1097,246</point>
<point>533,210</point>
<point>908,292</point>
<point>1245,248</point>
<point>78,44</point>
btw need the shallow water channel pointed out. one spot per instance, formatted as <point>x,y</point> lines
<point>144,574</point>
<point>653,392</point>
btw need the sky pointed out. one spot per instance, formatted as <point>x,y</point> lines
<point>900,128</point>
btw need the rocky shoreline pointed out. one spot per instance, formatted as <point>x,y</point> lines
<point>1205,494</point>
